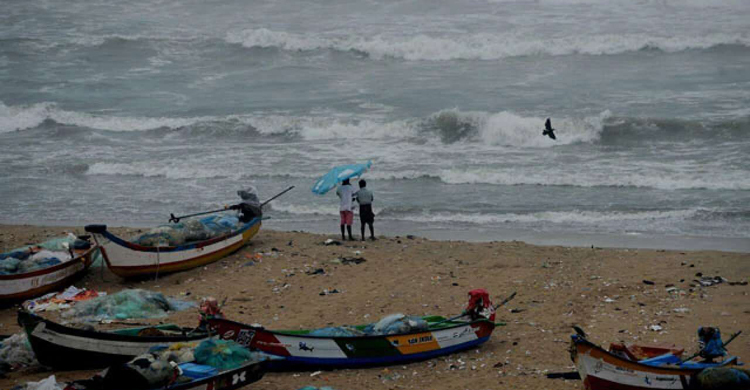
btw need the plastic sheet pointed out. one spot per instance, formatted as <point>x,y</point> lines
<point>190,230</point>
<point>126,304</point>
<point>16,352</point>
<point>47,384</point>
<point>221,354</point>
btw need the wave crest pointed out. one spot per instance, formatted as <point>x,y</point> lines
<point>479,46</point>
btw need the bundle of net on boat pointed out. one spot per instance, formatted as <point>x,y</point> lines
<point>191,230</point>
<point>35,257</point>
<point>178,363</point>
<point>134,303</point>
<point>390,324</point>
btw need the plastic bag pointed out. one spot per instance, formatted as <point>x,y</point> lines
<point>135,303</point>
<point>46,384</point>
<point>221,354</point>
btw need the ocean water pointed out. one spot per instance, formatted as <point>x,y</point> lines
<point>123,112</point>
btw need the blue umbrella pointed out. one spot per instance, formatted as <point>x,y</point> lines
<point>337,175</point>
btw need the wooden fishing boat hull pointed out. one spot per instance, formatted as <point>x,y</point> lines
<point>226,380</point>
<point>343,352</point>
<point>602,370</point>
<point>14,288</point>
<point>127,259</point>
<point>67,348</point>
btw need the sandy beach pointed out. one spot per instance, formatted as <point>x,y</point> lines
<point>601,290</point>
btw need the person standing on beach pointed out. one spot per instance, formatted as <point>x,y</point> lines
<point>346,194</point>
<point>366,216</point>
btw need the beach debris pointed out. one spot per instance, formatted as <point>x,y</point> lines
<point>741,283</point>
<point>330,241</point>
<point>564,375</point>
<point>707,281</point>
<point>329,292</point>
<point>16,352</point>
<point>352,260</point>
<point>61,300</point>
<point>650,283</point>
<point>316,388</point>
<point>655,328</point>
<point>316,373</point>
<point>249,264</point>
<point>46,384</point>
<point>316,271</point>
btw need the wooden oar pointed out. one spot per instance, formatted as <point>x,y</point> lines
<point>277,195</point>
<point>173,218</point>
<point>506,300</point>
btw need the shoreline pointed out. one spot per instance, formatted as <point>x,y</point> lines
<point>602,290</point>
<point>394,229</point>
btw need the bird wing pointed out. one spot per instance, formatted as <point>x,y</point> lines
<point>548,125</point>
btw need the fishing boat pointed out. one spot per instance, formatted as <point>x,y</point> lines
<point>234,378</point>
<point>64,347</point>
<point>300,349</point>
<point>128,259</point>
<point>604,370</point>
<point>27,285</point>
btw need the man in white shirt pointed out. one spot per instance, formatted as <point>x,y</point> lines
<point>346,194</point>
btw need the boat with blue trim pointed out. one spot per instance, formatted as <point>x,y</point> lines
<point>129,259</point>
<point>301,349</point>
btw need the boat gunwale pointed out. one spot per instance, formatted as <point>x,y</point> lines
<point>493,325</point>
<point>35,319</point>
<point>162,249</point>
<point>662,370</point>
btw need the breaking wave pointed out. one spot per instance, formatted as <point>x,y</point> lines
<point>479,46</point>
<point>726,180</point>
<point>557,217</point>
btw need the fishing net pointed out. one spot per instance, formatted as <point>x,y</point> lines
<point>16,352</point>
<point>337,331</point>
<point>135,303</point>
<point>221,354</point>
<point>35,257</point>
<point>397,324</point>
<point>724,378</point>
<point>191,230</point>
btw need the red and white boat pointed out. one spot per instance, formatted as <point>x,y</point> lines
<point>19,287</point>
<point>604,370</point>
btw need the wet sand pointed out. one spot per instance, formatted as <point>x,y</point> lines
<point>601,290</point>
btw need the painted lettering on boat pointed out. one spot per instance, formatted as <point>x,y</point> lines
<point>419,340</point>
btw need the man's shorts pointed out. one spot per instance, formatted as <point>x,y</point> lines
<point>347,217</point>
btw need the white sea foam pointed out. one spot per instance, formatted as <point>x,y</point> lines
<point>480,46</point>
<point>724,180</point>
<point>175,171</point>
<point>557,217</point>
<point>307,209</point>
<point>24,117</point>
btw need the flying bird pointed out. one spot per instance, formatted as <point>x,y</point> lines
<point>548,130</point>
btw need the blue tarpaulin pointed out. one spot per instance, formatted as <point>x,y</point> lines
<point>337,175</point>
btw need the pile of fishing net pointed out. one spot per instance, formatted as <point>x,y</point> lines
<point>133,303</point>
<point>388,325</point>
<point>724,378</point>
<point>190,230</point>
<point>179,363</point>
<point>35,257</point>
<point>15,353</point>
